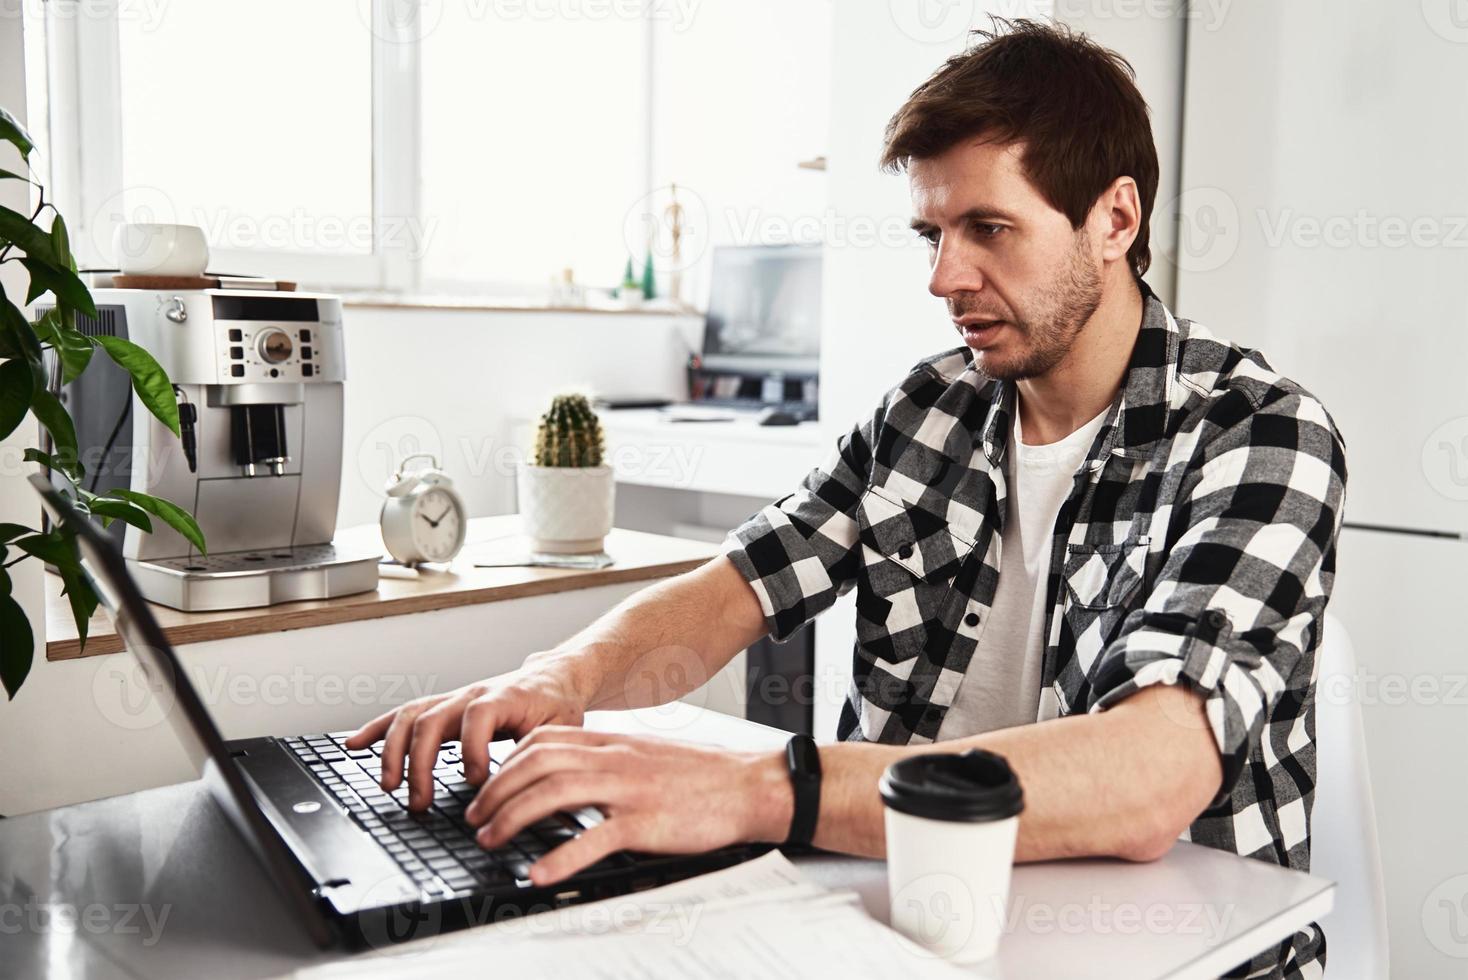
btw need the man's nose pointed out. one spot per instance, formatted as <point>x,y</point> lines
<point>954,271</point>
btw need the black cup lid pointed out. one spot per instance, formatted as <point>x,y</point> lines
<point>973,787</point>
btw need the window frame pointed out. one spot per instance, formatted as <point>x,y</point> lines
<point>84,97</point>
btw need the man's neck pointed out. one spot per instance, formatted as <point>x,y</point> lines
<point>1077,389</point>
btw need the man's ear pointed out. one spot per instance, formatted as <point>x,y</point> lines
<point>1118,218</point>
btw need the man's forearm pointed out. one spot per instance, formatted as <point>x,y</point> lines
<point>663,642</point>
<point>1123,783</point>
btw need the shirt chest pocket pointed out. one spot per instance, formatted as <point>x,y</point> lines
<point>1103,584</point>
<point>910,555</point>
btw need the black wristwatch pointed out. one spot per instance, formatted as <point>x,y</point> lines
<point>804,762</point>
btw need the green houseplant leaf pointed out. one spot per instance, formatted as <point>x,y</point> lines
<point>59,465</point>
<point>169,513</point>
<point>19,641</point>
<point>59,279</point>
<point>20,339</point>
<point>149,381</point>
<point>72,346</point>
<point>61,242</point>
<point>17,384</point>
<point>11,131</point>
<point>16,227</point>
<point>52,414</point>
<point>122,511</point>
<point>9,532</point>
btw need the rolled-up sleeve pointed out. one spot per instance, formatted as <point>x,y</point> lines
<point>801,553</point>
<point>1237,608</point>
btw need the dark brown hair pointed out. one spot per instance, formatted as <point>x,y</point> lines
<point>1072,103</point>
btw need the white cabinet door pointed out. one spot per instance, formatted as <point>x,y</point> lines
<point>1324,220</point>
<point>1401,598</point>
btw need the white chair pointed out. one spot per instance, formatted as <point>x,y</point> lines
<point>1344,845</point>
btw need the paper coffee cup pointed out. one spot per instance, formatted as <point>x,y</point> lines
<point>951,824</point>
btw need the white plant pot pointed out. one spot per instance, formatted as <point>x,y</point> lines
<point>566,510</point>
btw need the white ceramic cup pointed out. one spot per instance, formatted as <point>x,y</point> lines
<point>160,250</point>
<point>951,824</point>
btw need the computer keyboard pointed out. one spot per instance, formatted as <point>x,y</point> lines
<point>435,847</point>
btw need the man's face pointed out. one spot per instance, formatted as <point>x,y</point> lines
<point>1020,283</point>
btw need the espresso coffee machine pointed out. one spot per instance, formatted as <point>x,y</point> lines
<point>258,375</point>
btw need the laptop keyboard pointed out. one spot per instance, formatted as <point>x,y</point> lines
<point>435,847</point>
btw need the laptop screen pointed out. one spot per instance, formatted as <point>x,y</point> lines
<point>764,310</point>
<point>173,693</point>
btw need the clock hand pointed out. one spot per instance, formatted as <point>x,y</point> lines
<point>430,520</point>
<point>443,515</point>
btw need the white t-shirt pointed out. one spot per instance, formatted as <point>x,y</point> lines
<point>1001,686</point>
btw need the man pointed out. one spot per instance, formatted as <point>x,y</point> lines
<point>1092,515</point>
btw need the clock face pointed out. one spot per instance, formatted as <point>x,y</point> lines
<point>438,527</point>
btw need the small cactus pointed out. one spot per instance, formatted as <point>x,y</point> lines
<point>570,434</point>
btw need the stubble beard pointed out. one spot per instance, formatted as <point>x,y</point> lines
<point>1056,318</point>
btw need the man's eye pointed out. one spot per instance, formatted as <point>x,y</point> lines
<point>930,236</point>
<point>985,230</point>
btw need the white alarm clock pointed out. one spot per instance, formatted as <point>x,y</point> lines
<point>423,516</point>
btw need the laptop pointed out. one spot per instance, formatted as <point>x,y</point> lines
<point>356,867</point>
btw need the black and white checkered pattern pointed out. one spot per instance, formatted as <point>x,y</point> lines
<point>1197,547</point>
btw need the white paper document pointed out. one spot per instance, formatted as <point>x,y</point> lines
<point>759,920</point>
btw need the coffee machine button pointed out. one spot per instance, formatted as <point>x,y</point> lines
<point>237,370</point>
<point>274,345</point>
<point>236,353</point>
<point>305,335</point>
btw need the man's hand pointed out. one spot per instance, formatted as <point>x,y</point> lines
<point>657,795</point>
<point>507,706</point>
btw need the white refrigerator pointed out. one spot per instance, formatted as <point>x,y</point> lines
<point>1324,220</point>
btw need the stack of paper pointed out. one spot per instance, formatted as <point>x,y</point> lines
<point>760,920</point>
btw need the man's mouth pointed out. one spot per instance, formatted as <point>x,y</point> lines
<point>977,331</point>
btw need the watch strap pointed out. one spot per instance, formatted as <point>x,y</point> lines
<point>804,762</point>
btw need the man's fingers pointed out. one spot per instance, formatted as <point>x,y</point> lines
<point>587,848</point>
<point>395,743</point>
<point>429,729</point>
<point>544,760</point>
<point>573,734</point>
<point>559,791</point>
<point>371,731</point>
<point>481,719</point>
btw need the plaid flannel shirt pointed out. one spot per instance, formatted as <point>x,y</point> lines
<point>1197,547</point>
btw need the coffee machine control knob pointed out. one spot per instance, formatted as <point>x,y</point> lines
<point>274,346</point>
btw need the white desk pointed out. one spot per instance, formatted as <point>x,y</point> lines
<point>170,855</point>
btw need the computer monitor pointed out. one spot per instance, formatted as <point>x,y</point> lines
<point>764,320</point>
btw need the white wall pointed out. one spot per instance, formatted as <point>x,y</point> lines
<point>19,725</point>
<point>1151,36</point>
<point>452,381</point>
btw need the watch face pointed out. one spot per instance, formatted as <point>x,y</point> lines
<point>437,525</point>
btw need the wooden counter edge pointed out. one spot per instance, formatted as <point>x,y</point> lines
<point>293,616</point>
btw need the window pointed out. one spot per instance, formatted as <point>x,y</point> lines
<point>533,143</point>
<point>263,138</point>
<point>476,148</point>
<point>742,99</point>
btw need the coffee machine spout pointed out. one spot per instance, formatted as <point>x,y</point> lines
<point>257,435</point>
